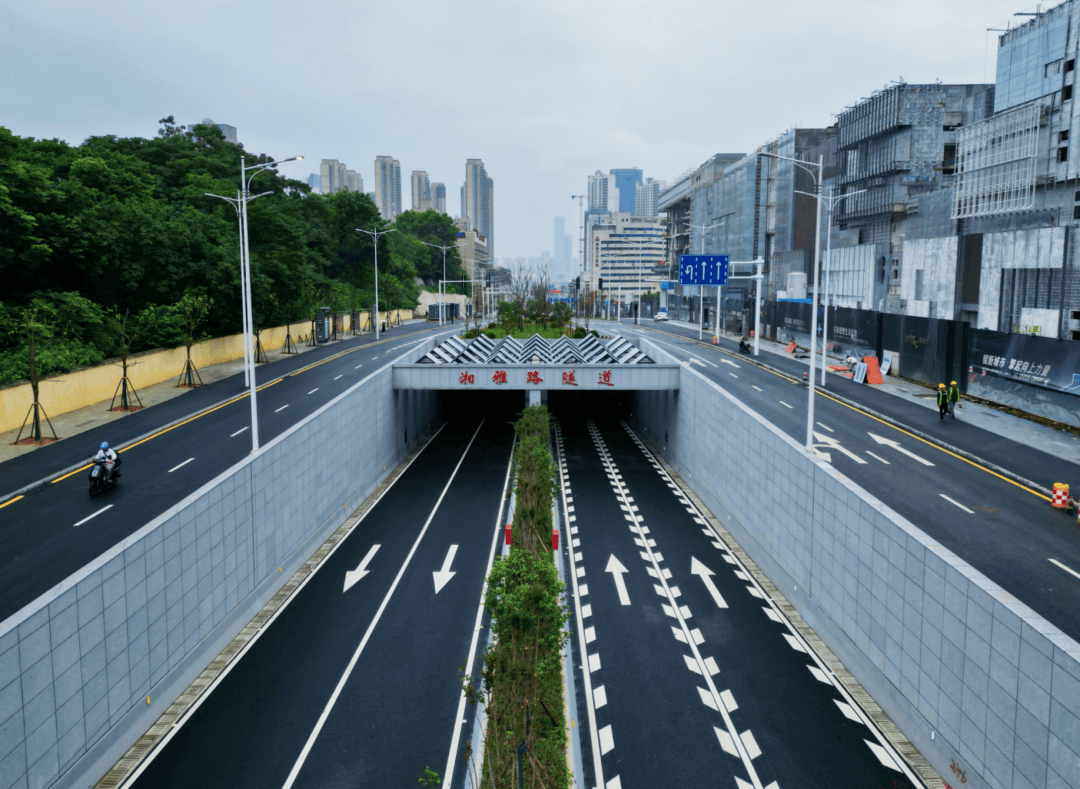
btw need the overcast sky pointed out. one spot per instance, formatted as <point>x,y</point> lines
<point>545,91</point>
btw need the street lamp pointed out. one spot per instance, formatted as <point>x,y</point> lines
<point>443,248</point>
<point>701,295</point>
<point>242,199</point>
<point>831,201</point>
<point>375,239</point>
<point>817,260</point>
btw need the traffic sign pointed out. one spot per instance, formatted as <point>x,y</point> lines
<point>667,284</point>
<point>703,269</point>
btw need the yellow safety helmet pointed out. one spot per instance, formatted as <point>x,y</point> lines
<point>941,386</point>
<point>952,383</point>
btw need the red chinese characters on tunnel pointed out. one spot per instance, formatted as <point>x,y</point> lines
<point>568,378</point>
<point>499,377</point>
<point>533,377</point>
<point>605,378</point>
<point>466,378</point>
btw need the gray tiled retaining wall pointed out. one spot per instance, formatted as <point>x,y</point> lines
<point>939,646</point>
<point>144,619</point>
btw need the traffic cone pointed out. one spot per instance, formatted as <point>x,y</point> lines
<point>804,378</point>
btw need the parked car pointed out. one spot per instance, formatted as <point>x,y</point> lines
<point>660,316</point>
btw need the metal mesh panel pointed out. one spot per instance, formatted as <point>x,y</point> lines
<point>996,164</point>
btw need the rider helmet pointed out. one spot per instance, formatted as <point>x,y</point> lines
<point>104,444</point>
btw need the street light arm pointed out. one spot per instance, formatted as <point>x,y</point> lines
<point>798,162</point>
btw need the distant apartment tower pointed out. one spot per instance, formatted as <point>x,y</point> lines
<point>421,191</point>
<point>354,182</point>
<point>315,182</point>
<point>226,129</point>
<point>438,197</point>
<point>603,192</point>
<point>478,201</point>
<point>626,181</point>
<point>388,187</point>
<point>647,196</point>
<point>332,176</point>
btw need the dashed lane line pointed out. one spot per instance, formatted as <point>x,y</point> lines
<point>313,391</point>
<point>282,408</point>
<point>91,517</point>
<point>757,387</point>
<point>1063,567</point>
<point>878,457</point>
<point>823,426</point>
<point>957,503</point>
<point>781,402</point>
<point>238,432</point>
<point>174,468</point>
<point>337,376</point>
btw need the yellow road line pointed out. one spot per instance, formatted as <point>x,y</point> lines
<point>10,501</point>
<point>228,402</point>
<point>876,419</point>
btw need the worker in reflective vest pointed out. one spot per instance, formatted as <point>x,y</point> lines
<point>954,399</point>
<point>942,401</point>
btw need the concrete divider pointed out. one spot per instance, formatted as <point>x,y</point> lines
<point>143,619</point>
<point>988,690</point>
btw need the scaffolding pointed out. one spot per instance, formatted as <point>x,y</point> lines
<point>996,161</point>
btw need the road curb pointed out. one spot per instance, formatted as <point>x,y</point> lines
<point>970,456</point>
<point>169,426</point>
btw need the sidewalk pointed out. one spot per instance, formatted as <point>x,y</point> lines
<point>1060,443</point>
<point>73,423</point>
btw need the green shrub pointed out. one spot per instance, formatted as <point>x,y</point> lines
<point>490,334</point>
<point>579,333</point>
<point>594,333</point>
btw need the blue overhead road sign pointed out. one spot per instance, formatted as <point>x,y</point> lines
<point>703,269</point>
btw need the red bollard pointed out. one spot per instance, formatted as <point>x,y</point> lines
<point>509,533</point>
<point>555,539</point>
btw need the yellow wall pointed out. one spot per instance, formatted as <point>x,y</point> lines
<point>90,385</point>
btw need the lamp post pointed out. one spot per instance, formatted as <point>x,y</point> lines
<point>443,248</point>
<point>243,198</point>
<point>817,260</point>
<point>701,296</point>
<point>831,201</point>
<point>375,234</point>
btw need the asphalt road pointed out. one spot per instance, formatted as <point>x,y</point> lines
<point>1005,531</point>
<point>56,528</point>
<point>696,680</point>
<point>360,687</point>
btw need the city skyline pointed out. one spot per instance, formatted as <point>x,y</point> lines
<point>549,127</point>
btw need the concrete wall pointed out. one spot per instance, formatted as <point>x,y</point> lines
<point>1041,248</point>
<point>851,276</point>
<point>928,277</point>
<point>80,388</point>
<point>940,647</point>
<point>145,618</point>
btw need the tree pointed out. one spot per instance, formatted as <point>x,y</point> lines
<point>33,329</point>
<point>191,311</point>
<point>127,333</point>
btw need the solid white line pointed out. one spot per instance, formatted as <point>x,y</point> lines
<point>84,520</point>
<point>451,761</point>
<point>781,402</point>
<point>378,615</point>
<point>957,503</point>
<point>338,377</point>
<point>758,388</point>
<point>174,468</point>
<point>825,427</point>
<point>733,375</point>
<point>282,408</point>
<point>1053,561</point>
<point>238,432</point>
<point>875,457</point>
<point>714,365</point>
<point>190,712</point>
<point>313,391</point>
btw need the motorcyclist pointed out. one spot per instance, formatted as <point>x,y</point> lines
<point>109,458</point>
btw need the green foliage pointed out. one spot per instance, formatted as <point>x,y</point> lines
<point>579,333</point>
<point>430,778</point>
<point>560,314</point>
<point>125,225</point>
<point>594,332</point>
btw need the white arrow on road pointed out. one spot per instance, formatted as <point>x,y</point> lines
<point>443,576</point>
<point>697,568</point>
<point>614,566</point>
<point>896,445</point>
<point>725,361</point>
<point>352,576</point>
<point>832,443</point>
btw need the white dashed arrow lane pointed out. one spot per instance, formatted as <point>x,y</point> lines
<point>697,568</point>
<point>896,445</point>
<point>614,566</point>
<point>352,576</point>
<point>443,576</point>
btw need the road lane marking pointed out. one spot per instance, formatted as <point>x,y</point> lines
<point>352,576</point>
<point>1063,567</point>
<point>825,427</point>
<point>875,457</point>
<point>358,367</point>
<point>757,387</point>
<point>371,627</point>
<point>313,391</point>
<point>883,755</point>
<point>697,568</point>
<point>733,375</point>
<point>896,445</point>
<point>957,503</point>
<point>714,365</point>
<point>832,443</point>
<point>282,408</point>
<point>338,376</point>
<point>174,468</point>
<point>615,567</point>
<point>781,402</point>
<point>89,517</point>
<point>238,432</point>
<point>443,576</point>
<point>10,501</point>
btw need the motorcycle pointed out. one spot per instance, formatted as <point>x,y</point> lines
<point>100,480</point>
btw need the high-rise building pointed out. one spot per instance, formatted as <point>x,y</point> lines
<point>331,176</point>
<point>421,191</point>
<point>473,250</point>
<point>603,192</point>
<point>646,197</point>
<point>314,181</point>
<point>226,129</point>
<point>388,187</point>
<point>438,197</point>
<point>627,250</point>
<point>478,200</point>
<point>626,182</point>
<point>354,182</point>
